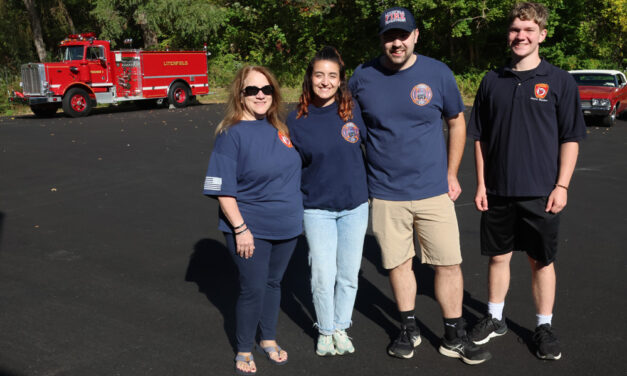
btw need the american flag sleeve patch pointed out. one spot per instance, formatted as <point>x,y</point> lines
<point>213,183</point>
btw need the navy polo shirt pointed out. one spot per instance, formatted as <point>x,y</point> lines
<point>521,118</point>
<point>257,165</point>
<point>406,150</point>
<point>334,171</point>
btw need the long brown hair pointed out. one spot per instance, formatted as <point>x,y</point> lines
<point>342,96</point>
<point>235,107</point>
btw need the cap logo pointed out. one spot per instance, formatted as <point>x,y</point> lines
<point>421,94</point>
<point>350,132</point>
<point>541,90</point>
<point>395,16</point>
<point>285,140</point>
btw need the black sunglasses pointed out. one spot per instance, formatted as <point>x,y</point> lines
<point>253,90</point>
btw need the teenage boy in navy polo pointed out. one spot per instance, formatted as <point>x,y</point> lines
<point>412,177</point>
<point>526,123</point>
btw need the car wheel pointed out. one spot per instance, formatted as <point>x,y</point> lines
<point>610,119</point>
<point>76,102</point>
<point>44,110</point>
<point>179,95</point>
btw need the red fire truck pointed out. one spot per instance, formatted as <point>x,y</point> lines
<point>90,73</point>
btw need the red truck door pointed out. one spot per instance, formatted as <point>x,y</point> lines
<point>98,67</point>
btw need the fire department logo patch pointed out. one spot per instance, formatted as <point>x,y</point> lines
<point>541,90</point>
<point>350,132</point>
<point>285,140</point>
<point>421,94</point>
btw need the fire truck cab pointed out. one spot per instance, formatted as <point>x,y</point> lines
<point>89,73</point>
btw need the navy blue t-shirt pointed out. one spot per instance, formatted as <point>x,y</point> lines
<point>257,165</point>
<point>521,119</point>
<point>403,110</point>
<point>334,171</point>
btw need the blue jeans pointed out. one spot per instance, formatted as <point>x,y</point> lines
<point>336,242</point>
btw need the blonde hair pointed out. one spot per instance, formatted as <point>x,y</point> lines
<point>530,12</point>
<point>235,107</point>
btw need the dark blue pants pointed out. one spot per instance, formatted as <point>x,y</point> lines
<point>260,289</point>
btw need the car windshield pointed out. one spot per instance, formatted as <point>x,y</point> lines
<point>72,53</point>
<point>592,79</point>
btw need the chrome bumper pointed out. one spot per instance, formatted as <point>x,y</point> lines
<point>21,99</point>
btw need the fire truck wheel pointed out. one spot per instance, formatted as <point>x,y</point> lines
<point>179,95</point>
<point>76,103</point>
<point>44,110</point>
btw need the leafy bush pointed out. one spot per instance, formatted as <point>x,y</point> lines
<point>9,81</point>
<point>468,84</point>
<point>222,69</point>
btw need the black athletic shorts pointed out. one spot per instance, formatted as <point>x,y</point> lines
<point>519,224</point>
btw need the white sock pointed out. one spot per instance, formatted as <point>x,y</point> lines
<point>496,310</point>
<point>543,319</point>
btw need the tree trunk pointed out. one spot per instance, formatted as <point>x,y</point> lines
<point>35,25</point>
<point>150,36</point>
<point>67,17</point>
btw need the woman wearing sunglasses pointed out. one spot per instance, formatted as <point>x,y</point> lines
<point>327,130</point>
<point>254,172</point>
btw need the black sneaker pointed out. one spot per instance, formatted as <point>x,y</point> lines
<point>548,347</point>
<point>464,348</point>
<point>486,329</point>
<point>403,346</point>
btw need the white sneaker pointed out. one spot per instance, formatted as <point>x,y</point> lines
<point>325,346</point>
<point>343,344</point>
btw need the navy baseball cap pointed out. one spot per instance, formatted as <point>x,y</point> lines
<point>396,18</point>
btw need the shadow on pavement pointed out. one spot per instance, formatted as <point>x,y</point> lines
<point>212,269</point>
<point>1,228</point>
<point>6,372</point>
<point>524,335</point>
<point>296,298</point>
<point>371,302</point>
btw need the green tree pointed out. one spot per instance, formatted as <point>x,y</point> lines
<point>159,23</point>
<point>469,35</point>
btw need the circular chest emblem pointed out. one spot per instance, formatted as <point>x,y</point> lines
<point>421,94</point>
<point>285,140</point>
<point>350,132</point>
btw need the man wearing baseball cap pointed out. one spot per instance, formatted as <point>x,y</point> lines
<point>412,177</point>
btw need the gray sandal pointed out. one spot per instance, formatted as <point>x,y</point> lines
<point>273,349</point>
<point>244,359</point>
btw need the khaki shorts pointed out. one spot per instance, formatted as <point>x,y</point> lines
<point>435,224</point>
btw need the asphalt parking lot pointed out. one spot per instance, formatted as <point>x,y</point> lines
<point>111,262</point>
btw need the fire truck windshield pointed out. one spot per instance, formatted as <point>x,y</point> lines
<point>72,53</point>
